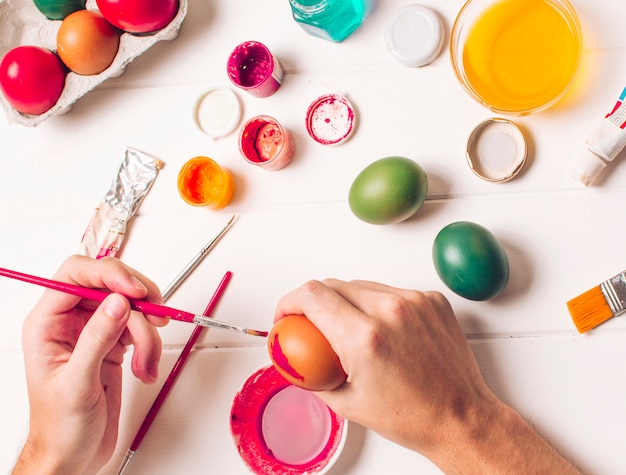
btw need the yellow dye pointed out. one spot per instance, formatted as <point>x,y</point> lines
<point>521,55</point>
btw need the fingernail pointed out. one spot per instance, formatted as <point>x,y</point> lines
<point>114,306</point>
<point>138,284</point>
<point>153,370</point>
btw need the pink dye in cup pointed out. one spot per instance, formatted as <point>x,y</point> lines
<point>279,428</point>
<point>252,67</point>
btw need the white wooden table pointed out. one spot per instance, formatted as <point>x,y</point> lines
<point>295,224</point>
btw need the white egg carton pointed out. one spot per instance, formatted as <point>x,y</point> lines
<point>21,23</point>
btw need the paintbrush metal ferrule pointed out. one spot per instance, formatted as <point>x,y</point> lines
<point>614,291</point>
<point>211,322</point>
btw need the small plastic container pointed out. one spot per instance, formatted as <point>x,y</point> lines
<point>252,67</point>
<point>264,142</point>
<point>202,182</point>
<point>332,20</point>
<point>279,428</point>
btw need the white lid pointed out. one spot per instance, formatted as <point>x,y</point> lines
<point>587,167</point>
<point>330,119</point>
<point>414,35</point>
<point>496,150</point>
<point>217,112</point>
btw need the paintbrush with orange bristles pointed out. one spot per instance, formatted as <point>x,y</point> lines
<point>599,304</point>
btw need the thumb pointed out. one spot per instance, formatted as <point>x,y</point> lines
<point>101,333</point>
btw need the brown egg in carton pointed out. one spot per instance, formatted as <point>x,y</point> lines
<point>21,23</point>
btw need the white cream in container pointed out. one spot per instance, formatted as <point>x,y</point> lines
<point>605,143</point>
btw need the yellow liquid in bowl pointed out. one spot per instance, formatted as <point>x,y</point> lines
<point>522,55</point>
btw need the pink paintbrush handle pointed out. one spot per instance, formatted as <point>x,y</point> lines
<point>140,305</point>
<point>99,296</point>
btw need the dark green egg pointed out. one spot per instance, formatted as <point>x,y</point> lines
<point>470,261</point>
<point>59,9</point>
<point>388,191</point>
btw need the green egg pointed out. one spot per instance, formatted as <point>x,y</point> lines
<point>388,191</point>
<point>470,261</point>
<point>59,9</point>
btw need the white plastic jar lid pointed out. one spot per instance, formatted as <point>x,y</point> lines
<point>415,35</point>
<point>496,150</point>
<point>217,112</point>
<point>330,119</point>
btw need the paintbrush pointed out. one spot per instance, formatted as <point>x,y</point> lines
<point>599,304</point>
<point>172,377</point>
<point>193,263</point>
<point>139,305</point>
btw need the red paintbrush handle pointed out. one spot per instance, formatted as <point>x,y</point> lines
<point>178,366</point>
<point>99,295</point>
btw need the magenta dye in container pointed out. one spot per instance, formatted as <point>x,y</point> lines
<point>279,428</point>
<point>252,67</point>
<point>330,119</point>
<point>266,143</point>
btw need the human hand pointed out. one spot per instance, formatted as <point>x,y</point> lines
<point>73,352</point>
<point>413,378</point>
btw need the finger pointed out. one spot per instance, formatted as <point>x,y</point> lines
<point>333,315</point>
<point>100,335</point>
<point>147,348</point>
<point>108,273</point>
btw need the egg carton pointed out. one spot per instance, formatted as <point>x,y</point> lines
<point>21,23</point>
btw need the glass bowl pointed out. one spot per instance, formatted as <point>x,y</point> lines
<point>516,57</point>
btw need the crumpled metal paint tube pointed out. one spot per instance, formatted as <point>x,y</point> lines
<point>107,228</point>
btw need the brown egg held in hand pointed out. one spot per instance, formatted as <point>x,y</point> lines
<point>303,356</point>
<point>87,43</point>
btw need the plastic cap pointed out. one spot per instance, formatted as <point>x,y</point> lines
<point>330,119</point>
<point>414,35</point>
<point>217,112</point>
<point>496,150</point>
<point>587,167</point>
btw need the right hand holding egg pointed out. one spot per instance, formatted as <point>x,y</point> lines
<point>410,368</point>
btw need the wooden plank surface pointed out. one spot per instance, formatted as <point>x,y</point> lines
<point>295,224</point>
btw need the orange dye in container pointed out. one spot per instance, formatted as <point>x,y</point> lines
<point>521,56</point>
<point>202,182</point>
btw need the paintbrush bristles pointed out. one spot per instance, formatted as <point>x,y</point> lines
<point>589,309</point>
<point>257,332</point>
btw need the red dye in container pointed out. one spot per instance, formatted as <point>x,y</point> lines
<point>281,429</point>
<point>252,67</point>
<point>266,143</point>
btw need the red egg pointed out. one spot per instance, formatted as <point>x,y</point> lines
<point>139,16</point>
<point>87,43</point>
<point>303,356</point>
<point>32,79</point>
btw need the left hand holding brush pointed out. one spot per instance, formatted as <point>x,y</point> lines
<point>73,355</point>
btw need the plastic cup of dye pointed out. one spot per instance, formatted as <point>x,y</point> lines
<point>252,67</point>
<point>266,143</point>
<point>330,119</point>
<point>516,57</point>
<point>202,182</point>
<point>279,428</point>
